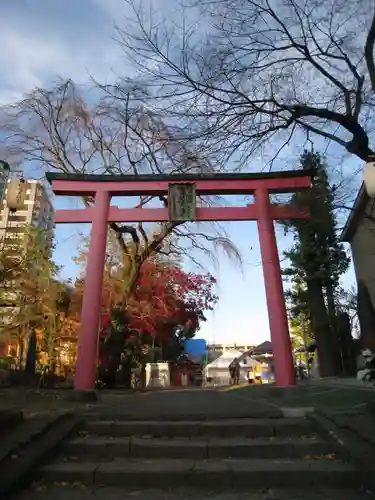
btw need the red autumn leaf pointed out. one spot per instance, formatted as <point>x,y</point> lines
<point>164,297</point>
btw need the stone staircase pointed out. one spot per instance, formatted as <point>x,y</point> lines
<point>219,455</point>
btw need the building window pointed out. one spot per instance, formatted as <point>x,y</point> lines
<point>14,230</point>
<point>20,218</point>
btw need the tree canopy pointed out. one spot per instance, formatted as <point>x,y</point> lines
<point>166,306</point>
<point>164,298</point>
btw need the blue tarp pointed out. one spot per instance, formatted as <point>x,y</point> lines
<point>196,349</point>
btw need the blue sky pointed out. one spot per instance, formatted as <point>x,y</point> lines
<point>44,39</point>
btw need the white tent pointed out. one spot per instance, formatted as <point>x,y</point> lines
<point>224,360</point>
<point>218,371</point>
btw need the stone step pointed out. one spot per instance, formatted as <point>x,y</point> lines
<point>77,492</point>
<point>251,427</point>
<point>29,448</point>
<point>104,448</point>
<point>224,473</point>
<point>172,411</point>
<point>9,420</point>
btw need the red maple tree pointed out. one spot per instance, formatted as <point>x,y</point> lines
<point>167,296</point>
<point>166,305</point>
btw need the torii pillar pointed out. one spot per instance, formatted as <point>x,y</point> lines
<point>277,314</point>
<point>87,354</point>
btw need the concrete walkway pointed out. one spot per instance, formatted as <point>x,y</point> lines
<point>348,382</point>
<point>195,404</point>
<point>243,401</point>
<point>325,395</point>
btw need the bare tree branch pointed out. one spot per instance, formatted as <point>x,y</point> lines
<point>369,52</point>
<point>117,133</point>
<point>266,71</point>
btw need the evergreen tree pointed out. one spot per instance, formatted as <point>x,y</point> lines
<point>317,260</point>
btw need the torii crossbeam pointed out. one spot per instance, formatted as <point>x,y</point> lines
<point>105,187</point>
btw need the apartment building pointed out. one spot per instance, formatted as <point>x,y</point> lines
<point>37,211</point>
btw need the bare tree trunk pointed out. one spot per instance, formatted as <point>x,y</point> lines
<point>31,353</point>
<point>332,315</point>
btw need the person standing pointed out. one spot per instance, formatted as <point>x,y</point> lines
<point>234,370</point>
<point>237,373</point>
<point>231,373</point>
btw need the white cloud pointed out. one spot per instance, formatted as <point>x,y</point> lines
<point>43,41</point>
<point>115,9</point>
<point>23,60</point>
<point>118,10</point>
<point>31,56</point>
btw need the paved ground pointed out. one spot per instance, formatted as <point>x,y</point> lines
<point>242,401</point>
<point>330,395</point>
<point>35,401</point>
<point>178,403</point>
<point>208,403</point>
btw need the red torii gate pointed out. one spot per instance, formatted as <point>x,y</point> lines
<point>104,187</point>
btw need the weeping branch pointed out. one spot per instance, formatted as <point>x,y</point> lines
<point>59,130</point>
